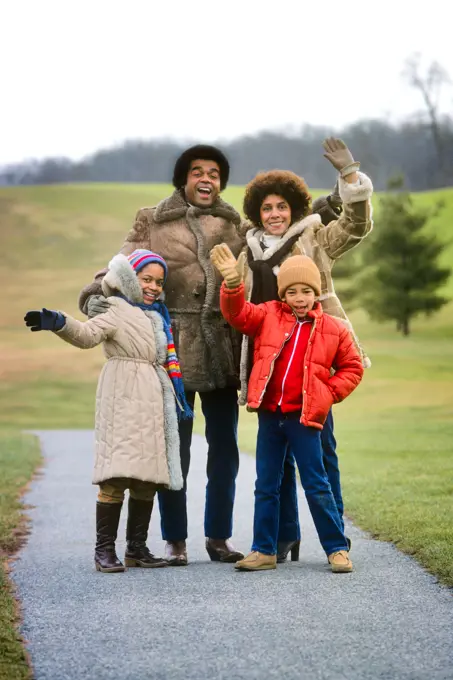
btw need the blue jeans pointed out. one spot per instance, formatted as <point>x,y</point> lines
<point>277,433</point>
<point>221,412</point>
<point>289,529</point>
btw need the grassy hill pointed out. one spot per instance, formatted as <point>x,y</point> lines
<point>395,433</point>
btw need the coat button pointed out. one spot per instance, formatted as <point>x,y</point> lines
<point>286,335</point>
<point>275,354</point>
<point>305,391</point>
<point>306,367</point>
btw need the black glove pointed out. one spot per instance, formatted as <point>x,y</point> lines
<point>47,320</point>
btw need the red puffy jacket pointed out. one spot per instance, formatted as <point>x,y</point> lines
<point>330,346</point>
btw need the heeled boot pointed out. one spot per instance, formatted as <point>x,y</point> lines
<point>284,547</point>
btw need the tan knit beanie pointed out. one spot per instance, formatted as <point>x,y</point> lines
<point>298,269</point>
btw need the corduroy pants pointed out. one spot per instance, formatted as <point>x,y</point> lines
<point>112,490</point>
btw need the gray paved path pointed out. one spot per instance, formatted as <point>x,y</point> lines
<point>387,620</point>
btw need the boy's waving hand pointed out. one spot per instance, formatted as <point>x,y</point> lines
<point>224,261</point>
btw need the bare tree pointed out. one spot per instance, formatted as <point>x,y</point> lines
<point>430,82</point>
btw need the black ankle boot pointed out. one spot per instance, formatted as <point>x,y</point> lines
<point>284,547</point>
<point>107,520</point>
<point>137,553</point>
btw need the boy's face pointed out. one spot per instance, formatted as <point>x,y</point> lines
<point>301,298</point>
<point>151,280</point>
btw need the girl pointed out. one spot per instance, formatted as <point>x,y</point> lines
<point>139,398</point>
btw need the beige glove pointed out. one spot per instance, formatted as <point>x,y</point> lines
<point>223,259</point>
<point>339,155</point>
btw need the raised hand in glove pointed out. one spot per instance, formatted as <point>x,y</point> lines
<point>47,320</point>
<point>223,259</point>
<point>339,155</point>
<point>96,304</point>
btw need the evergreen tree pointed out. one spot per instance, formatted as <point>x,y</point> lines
<point>403,275</point>
<point>344,273</point>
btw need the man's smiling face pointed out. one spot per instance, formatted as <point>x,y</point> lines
<point>203,183</point>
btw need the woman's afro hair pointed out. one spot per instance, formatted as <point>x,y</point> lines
<point>282,183</point>
<point>203,152</point>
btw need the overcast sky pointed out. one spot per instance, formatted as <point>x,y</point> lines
<point>79,76</point>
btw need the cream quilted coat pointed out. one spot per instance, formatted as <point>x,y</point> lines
<point>136,422</point>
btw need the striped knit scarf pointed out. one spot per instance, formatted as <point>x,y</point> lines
<point>172,362</point>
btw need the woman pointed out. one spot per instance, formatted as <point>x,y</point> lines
<point>139,399</point>
<point>278,204</point>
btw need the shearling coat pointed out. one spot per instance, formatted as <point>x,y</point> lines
<point>324,244</point>
<point>208,348</point>
<point>330,345</point>
<point>136,422</point>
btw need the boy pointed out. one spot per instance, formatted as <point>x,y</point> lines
<point>291,387</point>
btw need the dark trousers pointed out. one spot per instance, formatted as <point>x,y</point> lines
<point>277,433</point>
<point>221,412</point>
<point>289,528</point>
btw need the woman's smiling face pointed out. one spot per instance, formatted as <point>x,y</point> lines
<point>275,215</point>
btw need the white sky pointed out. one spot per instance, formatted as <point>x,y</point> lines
<point>79,76</point>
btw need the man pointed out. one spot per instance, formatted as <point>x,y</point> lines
<point>183,229</point>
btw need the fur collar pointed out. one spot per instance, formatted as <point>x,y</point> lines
<point>175,206</point>
<point>122,277</point>
<point>254,235</point>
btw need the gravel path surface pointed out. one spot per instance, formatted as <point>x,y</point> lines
<point>389,619</point>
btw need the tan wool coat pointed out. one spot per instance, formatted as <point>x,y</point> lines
<point>324,244</point>
<point>136,421</point>
<point>208,348</point>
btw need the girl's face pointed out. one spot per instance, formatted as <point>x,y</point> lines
<point>301,298</point>
<point>151,280</point>
<point>275,215</point>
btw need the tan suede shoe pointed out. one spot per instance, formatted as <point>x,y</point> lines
<point>340,562</point>
<point>257,561</point>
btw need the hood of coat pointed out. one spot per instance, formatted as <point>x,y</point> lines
<point>175,207</point>
<point>254,237</point>
<point>121,277</point>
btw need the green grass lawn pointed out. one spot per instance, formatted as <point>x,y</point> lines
<point>394,433</point>
<point>19,458</point>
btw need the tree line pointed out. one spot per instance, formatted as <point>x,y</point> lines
<point>384,150</point>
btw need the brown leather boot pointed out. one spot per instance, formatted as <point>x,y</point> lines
<point>137,553</point>
<point>220,550</point>
<point>107,520</point>
<point>176,553</point>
